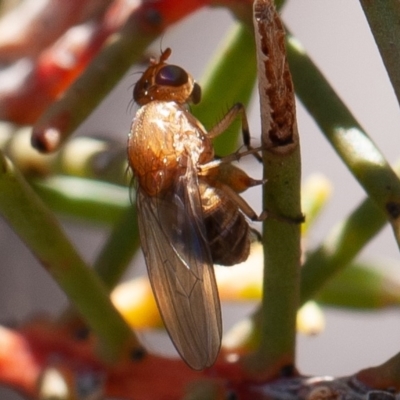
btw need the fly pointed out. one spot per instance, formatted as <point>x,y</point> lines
<point>190,213</point>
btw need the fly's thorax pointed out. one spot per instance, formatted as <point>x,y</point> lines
<point>228,232</point>
<point>163,136</point>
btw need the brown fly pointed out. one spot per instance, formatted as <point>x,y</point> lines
<point>190,213</point>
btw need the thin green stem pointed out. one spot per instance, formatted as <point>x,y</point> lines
<point>276,319</point>
<point>119,249</point>
<point>85,157</point>
<point>383,17</point>
<point>350,141</point>
<point>340,247</point>
<point>89,200</point>
<point>39,229</point>
<point>281,240</point>
<point>361,287</point>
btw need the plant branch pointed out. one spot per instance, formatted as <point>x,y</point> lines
<point>361,287</point>
<point>345,134</point>
<point>281,234</point>
<point>41,232</point>
<point>383,377</point>
<point>383,17</point>
<point>119,249</point>
<point>341,246</point>
<point>84,157</point>
<point>86,199</point>
<point>120,51</point>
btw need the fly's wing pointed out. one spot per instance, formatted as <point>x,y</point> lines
<point>180,268</point>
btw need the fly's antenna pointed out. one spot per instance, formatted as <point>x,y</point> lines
<point>161,43</point>
<point>161,46</point>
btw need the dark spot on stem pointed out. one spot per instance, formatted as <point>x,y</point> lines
<point>137,354</point>
<point>288,371</point>
<point>231,395</point>
<point>82,333</point>
<point>154,18</point>
<point>393,209</point>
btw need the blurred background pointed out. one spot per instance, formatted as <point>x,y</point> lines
<point>338,39</point>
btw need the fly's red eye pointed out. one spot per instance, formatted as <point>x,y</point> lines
<point>171,75</point>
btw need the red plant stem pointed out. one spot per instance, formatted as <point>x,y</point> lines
<point>60,64</point>
<point>27,352</point>
<point>118,54</point>
<point>41,23</point>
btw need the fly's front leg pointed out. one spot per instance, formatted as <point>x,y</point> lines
<point>226,121</point>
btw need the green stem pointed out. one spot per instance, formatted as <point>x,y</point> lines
<point>276,319</point>
<point>119,249</point>
<point>42,233</point>
<point>350,141</point>
<point>340,247</point>
<point>383,17</point>
<point>281,240</point>
<point>86,199</point>
<point>362,287</point>
<point>85,157</point>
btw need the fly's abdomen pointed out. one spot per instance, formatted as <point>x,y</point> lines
<point>228,232</point>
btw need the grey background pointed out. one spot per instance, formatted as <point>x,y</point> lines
<point>336,35</point>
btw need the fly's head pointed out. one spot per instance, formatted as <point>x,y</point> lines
<point>166,82</point>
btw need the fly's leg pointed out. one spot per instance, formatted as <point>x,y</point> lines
<point>233,181</point>
<point>242,203</point>
<point>216,163</point>
<point>226,121</point>
<point>251,214</point>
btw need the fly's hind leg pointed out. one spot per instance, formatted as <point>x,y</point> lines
<point>251,214</point>
<point>226,121</point>
<point>242,203</point>
<point>233,180</point>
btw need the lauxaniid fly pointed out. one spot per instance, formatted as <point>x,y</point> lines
<point>190,213</point>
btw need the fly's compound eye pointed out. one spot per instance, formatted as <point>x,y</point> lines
<point>172,75</point>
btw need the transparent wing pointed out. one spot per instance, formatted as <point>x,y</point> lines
<point>180,268</point>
